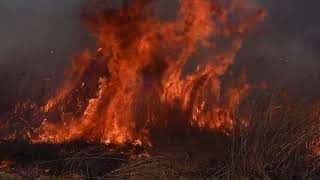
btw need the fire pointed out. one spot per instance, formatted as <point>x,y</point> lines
<point>137,78</point>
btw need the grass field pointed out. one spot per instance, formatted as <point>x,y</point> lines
<point>280,141</point>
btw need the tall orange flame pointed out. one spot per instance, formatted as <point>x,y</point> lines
<point>137,77</point>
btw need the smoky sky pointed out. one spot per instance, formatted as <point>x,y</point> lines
<point>39,37</point>
<point>37,40</point>
<point>35,34</point>
<point>285,50</point>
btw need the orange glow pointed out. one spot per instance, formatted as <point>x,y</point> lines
<point>137,78</point>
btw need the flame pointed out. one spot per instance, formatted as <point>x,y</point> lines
<point>137,77</point>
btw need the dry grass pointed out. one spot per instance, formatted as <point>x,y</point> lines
<point>277,144</point>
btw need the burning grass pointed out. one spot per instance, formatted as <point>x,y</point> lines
<point>131,110</point>
<point>136,80</point>
<point>279,143</point>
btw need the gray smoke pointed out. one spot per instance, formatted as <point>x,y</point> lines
<point>285,51</point>
<point>38,39</point>
<point>40,35</point>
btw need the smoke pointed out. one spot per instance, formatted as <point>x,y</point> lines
<point>38,39</point>
<point>284,51</point>
<point>35,34</point>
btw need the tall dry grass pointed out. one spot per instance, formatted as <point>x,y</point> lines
<point>279,142</point>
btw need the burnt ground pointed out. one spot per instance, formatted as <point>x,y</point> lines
<point>276,145</point>
<point>58,159</point>
<point>178,156</point>
<point>196,155</point>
